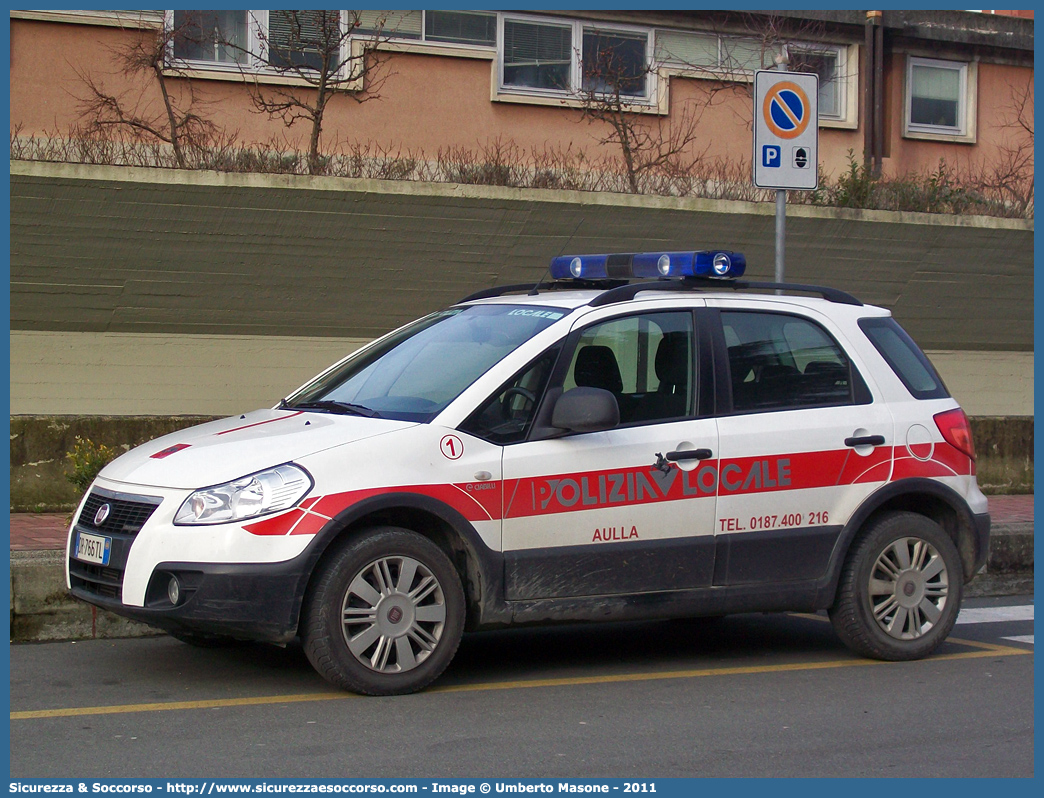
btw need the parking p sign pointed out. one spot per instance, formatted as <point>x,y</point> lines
<point>786,130</point>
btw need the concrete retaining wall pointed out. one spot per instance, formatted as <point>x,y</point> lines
<point>149,291</point>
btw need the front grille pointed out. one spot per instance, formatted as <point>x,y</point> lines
<point>97,579</point>
<point>125,517</point>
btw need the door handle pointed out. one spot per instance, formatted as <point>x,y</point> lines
<point>866,440</point>
<point>691,454</point>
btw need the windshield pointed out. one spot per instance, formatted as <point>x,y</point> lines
<point>415,373</point>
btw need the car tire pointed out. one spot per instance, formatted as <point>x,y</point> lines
<point>385,615</point>
<point>900,589</point>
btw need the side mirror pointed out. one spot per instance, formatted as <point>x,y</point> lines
<point>586,410</point>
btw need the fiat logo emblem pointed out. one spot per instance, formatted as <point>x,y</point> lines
<point>102,514</point>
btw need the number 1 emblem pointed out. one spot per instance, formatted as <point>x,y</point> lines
<point>451,446</point>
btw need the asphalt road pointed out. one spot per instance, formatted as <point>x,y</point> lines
<point>755,695</point>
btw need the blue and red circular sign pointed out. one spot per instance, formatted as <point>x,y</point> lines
<point>786,110</point>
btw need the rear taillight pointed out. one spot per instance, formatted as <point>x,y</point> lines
<point>954,426</point>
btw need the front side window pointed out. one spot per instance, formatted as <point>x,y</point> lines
<point>935,96</point>
<point>507,415</point>
<point>778,361</point>
<point>414,374</point>
<point>645,361</point>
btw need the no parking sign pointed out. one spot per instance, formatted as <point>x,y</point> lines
<point>786,130</point>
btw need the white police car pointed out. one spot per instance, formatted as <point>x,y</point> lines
<point>592,448</point>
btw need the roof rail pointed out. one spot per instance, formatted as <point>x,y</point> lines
<point>625,293</point>
<point>500,290</point>
<point>534,288</point>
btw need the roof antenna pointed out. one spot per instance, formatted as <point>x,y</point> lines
<point>536,288</point>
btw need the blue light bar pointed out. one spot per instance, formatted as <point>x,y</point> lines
<point>717,263</point>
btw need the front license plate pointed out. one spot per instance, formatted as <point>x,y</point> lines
<point>93,548</point>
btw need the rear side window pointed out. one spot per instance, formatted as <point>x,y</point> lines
<point>778,361</point>
<point>907,360</point>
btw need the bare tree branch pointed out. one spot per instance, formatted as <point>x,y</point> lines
<point>178,122</point>
<point>326,54</point>
<point>648,144</point>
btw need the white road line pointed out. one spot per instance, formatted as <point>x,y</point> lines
<point>1020,639</point>
<point>995,614</point>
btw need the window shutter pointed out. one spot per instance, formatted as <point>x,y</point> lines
<point>295,38</point>
<point>744,54</point>
<point>466,27</point>
<point>528,43</point>
<point>691,49</point>
<point>297,30</point>
<point>397,24</point>
<point>934,83</point>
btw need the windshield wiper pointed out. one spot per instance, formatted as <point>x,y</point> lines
<point>343,408</point>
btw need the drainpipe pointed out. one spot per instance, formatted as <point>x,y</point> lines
<point>868,90</point>
<point>878,95</point>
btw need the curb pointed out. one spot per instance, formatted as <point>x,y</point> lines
<point>42,609</point>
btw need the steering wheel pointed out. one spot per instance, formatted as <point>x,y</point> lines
<point>525,393</point>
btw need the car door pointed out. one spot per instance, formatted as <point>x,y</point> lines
<point>802,445</point>
<point>603,513</point>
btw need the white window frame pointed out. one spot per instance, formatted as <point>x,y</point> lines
<point>258,68</point>
<point>841,61</point>
<point>436,43</point>
<point>573,93</point>
<point>257,36</point>
<point>966,101</point>
<point>847,85</point>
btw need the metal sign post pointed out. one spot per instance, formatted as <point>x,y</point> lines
<point>786,139</point>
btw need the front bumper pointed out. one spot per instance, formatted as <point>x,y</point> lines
<point>251,601</point>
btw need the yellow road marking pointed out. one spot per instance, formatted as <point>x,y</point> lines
<point>989,647</point>
<point>984,650</point>
<point>212,703</point>
<point>994,647</point>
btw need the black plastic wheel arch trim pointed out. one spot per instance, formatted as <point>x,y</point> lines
<point>894,490</point>
<point>485,599</point>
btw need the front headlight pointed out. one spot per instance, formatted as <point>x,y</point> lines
<point>255,494</point>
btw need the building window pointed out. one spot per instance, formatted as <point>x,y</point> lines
<point>300,38</point>
<point>218,37</point>
<point>829,64</point>
<point>537,56</point>
<point>936,97</point>
<point>698,54</point>
<point>614,62</point>
<point>280,39</point>
<point>461,27</point>
<point>550,56</point>
<point>689,49</point>
<point>256,39</point>
<point>476,28</point>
